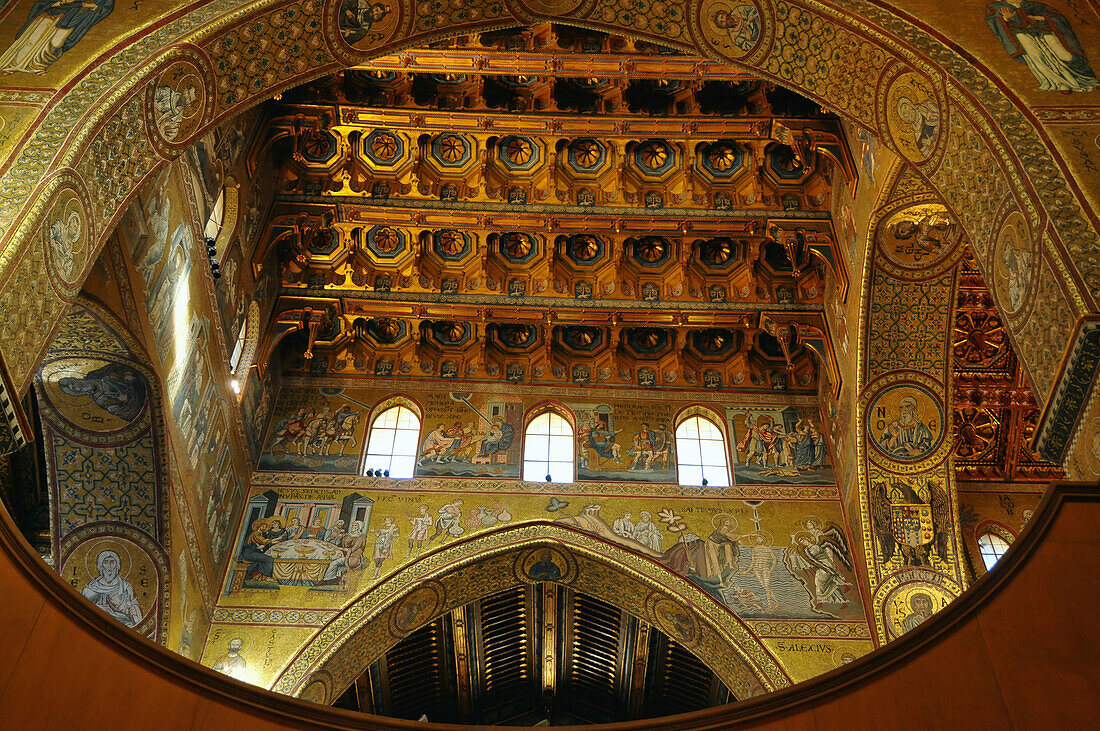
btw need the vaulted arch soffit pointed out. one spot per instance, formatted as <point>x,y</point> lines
<point>469,570</point>
<point>88,152</point>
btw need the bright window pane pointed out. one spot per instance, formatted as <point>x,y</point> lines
<point>691,475</point>
<point>537,444</point>
<point>238,349</point>
<point>701,453</point>
<point>689,429</point>
<point>992,547</point>
<point>713,453</point>
<point>561,449</point>
<point>716,476</point>
<point>707,430</point>
<point>402,467</point>
<point>406,419</point>
<point>381,440</point>
<point>548,449</point>
<point>405,442</point>
<point>393,441</point>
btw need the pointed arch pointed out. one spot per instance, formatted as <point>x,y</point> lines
<point>469,569</point>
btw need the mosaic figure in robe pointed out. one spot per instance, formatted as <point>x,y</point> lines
<point>52,28</point>
<point>112,593</point>
<point>1040,37</point>
<point>907,436</point>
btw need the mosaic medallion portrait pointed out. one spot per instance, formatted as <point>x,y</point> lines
<point>906,422</point>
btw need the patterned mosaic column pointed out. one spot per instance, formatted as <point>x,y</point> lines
<point>106,463</point>
<point>907,496</point>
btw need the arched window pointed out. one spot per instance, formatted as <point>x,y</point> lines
<point>548,449</point>
<point>240,360</point>
<point>214,221</point>
<point>701,453</point>
<point>238,348</point>
<point>992,547</point>
<point>393,441</point>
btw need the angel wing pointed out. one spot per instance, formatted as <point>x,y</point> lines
<point>882,519</point>
<point>833,537</point>
<point>803,574</point>
<point>941,517</point>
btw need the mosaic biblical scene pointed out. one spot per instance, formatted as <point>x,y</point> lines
<point>185,325</point>
<point>315,431</point>
<point>630,441</point>
<point>307,544</point>
<point>731,248</point>
<point>804,573</point>
<point>480,434</point>
<point>780,447</point>
<point>1042,38</point>
<point>51,29</point>
<point>104,458</point>
<point>471,435</point>
<point>766,560</point>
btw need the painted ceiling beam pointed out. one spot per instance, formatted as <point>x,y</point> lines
<point>396,211</point>
<point>489,62</point>
<point>619,125</point>
<point>427,213</point>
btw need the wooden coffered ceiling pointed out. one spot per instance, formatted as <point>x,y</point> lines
<point>534,653</point>
<point>554,205</point>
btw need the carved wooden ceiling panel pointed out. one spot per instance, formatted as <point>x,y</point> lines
<point>500,208</point>
<point>995,412</point>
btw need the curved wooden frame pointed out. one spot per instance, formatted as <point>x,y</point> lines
<point>239,702</point>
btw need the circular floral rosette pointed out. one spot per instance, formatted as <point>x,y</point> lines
<point>913,115</point>
<point>905,422</point>
<point>735,30</point>
<point>179,101</point>
<point>68,235</point>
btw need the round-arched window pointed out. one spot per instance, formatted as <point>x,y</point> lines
<point>393,442</point>
<point>701,453</point>
<point>992,547</point>
<point>548,449</point>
